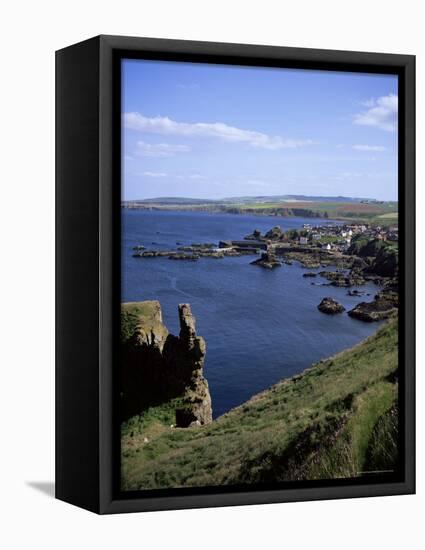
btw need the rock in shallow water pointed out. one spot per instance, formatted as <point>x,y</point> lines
<point>267,260</point>
<point>330,306</point>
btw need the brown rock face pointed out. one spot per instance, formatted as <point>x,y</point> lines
<point>197,396</point>
<point>158,366</point>
<point>187,326</point>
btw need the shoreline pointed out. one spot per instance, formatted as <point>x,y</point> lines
<point>347,270</point>
<point>325,403</point>
<point>305,371</point>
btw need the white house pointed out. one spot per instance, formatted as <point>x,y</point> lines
<point>303,240</point>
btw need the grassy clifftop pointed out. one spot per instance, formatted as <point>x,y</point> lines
<point>336,419</point>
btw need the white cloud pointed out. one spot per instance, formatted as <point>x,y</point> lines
<point>219,130</point>
<point>160,149</point>
<point>381,113</point>
<point>154,174</point>
<point>197,177</point>
<point>369,147</point>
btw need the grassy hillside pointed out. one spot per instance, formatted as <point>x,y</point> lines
<point>336,419</point>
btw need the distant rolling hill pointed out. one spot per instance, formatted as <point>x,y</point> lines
<point>300,198</point>
<point>248,199</point>
<point>339,207</point>
<point>173,200</point>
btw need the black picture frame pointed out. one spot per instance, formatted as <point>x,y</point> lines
<point>88,178</point>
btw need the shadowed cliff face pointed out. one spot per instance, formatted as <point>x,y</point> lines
<point>157,366</point>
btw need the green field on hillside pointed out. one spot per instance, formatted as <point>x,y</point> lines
<point>370,212</point>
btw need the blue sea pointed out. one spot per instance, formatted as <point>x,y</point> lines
<point>259,325</point>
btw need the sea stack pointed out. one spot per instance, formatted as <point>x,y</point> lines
<point>159,367</point>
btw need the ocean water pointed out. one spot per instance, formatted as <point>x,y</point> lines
<point>259,325</point>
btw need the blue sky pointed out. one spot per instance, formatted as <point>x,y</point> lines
<point>214,131</point>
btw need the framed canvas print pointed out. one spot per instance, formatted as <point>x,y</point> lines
<point>235,274</point>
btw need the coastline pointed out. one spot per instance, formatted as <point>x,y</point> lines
<point>273,436</point>
<point>329,419</point>
<point>290,294</point>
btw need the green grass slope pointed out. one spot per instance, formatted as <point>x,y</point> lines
<point>337,419</point>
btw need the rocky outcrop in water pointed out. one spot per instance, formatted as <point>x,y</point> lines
<point>330,306</point>
<point>356,293</point>
<point>384,306</point>
<point>267,260</point>
<point>344,279</point>
<point>254,236</point>
<point>158,366</point>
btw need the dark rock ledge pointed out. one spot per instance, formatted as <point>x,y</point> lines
<point>384,306</point>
